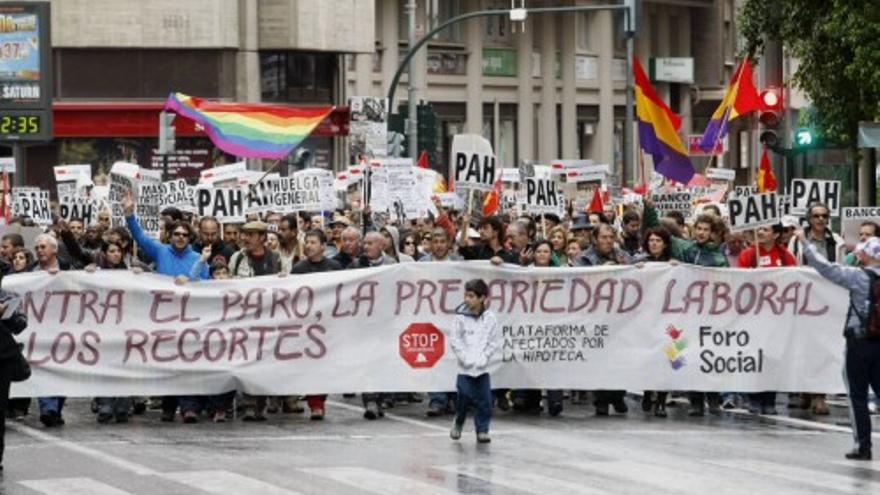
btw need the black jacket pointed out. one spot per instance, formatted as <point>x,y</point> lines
<point>10,327</point>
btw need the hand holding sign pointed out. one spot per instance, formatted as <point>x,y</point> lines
<point>127,203</point>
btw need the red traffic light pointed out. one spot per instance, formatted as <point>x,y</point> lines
<point>771,98</point>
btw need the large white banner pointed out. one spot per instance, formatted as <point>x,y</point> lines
<point>387,329</point>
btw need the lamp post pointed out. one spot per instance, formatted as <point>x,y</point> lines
<point>628,8</point>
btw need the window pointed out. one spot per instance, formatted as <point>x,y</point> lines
<point>584,43</point>
<point>298,77</point>
<point>146,74</point>
<point>440,11</point>
<point>497,27</point>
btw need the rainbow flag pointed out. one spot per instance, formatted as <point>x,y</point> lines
<point>250,130</point>
<point>658,131</point>
<point>741,98</point>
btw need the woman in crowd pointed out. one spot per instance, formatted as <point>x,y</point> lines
<point>657,248</point>
<point>558,237</point>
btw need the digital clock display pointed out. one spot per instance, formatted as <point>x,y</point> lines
<point>18,124</point>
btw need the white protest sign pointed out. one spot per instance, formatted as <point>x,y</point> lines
<point>85,209</point>
<point>592,173</point>
<point>66,189</point>
<point>753,211</point>
<point>542,196</point>
<point>852,219</point>
<point>147,208</point>
<point>680,200</point>
<point>65,173</point>
<point>7,165</point>
<point>510,175</point>
<point>306,190</point>
<point>123,180</point>
<point>260,197</point>
<point>33,203</point>
<point>804,192</point>
<point>451,201</point>
<point>743,191</point>
<point>473,162</point>
<point>655,328</point>
<point>724,174</point>
<point>559,167</point>
<point>221,175</point>
<point>226,204</point>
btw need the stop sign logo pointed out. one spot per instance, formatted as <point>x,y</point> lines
<point>422,345</point>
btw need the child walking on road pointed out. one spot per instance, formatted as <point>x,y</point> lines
<point>474,342</point>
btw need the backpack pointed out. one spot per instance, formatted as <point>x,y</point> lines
<point>871,323</point>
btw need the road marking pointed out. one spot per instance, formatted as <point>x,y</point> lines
<point>395,417</point>
<point>81,449</point>
<point>376,481</point>
<point>72,486</point>
<point>520,480</point>
<point>225,482</point>
<point>794,474</point>
<point>817,425</point>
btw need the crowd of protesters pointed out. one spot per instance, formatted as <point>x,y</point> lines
<point>191,249</point>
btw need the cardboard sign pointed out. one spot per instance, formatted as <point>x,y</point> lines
<point>559,167</point>
<point>148,207</point>
<point>473,162</point>
<point>743,191</point>
<point>260,197</point>
<point>226,204</point>
<point>677,200</point>
<point>221,176</point>
<point>123,180</point>
<point>307,190</point>
<point>852,219</point>
<point>33,203</point>
<point>725,174</point>
<point>65,173</point>
<point>85,209</point>
<point>753,211</point>
<point>543,196</point>
<point>805,192</point>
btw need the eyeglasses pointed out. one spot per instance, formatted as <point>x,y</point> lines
<point>820,215</point>
<point>409,243</point>
<point>180,234</point>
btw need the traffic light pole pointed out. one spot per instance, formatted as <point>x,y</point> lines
<point>628,9</point>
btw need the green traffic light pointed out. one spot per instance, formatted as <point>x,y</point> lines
<point>804,137</point>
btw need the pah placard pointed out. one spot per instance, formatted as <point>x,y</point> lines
<point>753,211</point>
<point>473,162</point>
<point>33,203</point>
<point>226,204</point>
<point>805,192</point>
<point>543,196</point>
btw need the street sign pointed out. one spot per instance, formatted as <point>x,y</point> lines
<point>422,345</point>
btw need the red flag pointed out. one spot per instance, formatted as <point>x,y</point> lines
<point>423,160</point>
<point>5,210</point>
<point>493,199</point>
<point>596,204</point>
<point>766,179</point>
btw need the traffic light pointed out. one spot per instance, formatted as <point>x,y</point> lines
<point>166,133</point>
<point>771,116</point>
<point>805,138</point>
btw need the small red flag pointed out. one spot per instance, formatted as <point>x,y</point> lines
<point>766,178</point>
<point>596,204</point>
<point>492,200</point>
<point>423,160</point>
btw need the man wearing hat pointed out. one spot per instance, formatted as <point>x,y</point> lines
<point>254,260</point>
<point>862,361</point>
<point>581,228</point>
<point>337,225</point>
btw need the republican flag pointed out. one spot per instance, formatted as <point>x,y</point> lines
<point>741,98</point>
<point>493,199</point>
<point>766,178</point>
<point>658,131</point>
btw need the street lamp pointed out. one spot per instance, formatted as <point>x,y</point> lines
<point>520,14</point>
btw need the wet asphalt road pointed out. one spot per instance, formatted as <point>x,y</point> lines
<point>406,452</point>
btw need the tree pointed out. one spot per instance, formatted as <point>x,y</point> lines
<point>837,43</point>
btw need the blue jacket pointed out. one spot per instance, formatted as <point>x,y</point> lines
<point>169,261</point>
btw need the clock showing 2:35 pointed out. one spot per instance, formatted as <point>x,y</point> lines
<point>19,124</point>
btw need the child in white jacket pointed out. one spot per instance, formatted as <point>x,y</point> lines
<point>474,341</point>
